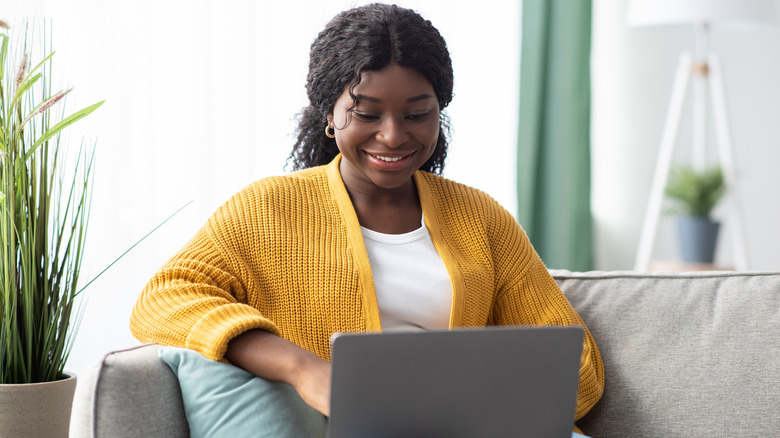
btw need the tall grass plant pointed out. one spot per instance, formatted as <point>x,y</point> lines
<point>44,213</point>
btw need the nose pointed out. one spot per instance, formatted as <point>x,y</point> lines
<point>392,132</point>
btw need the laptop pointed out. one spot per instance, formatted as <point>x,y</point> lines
<point>493,382</point>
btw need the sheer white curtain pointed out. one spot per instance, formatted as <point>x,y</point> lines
<point>201,98</point>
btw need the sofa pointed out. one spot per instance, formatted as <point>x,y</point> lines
<point>692,354</point>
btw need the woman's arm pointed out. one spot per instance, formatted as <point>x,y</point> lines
<point>273,358</point>
<point>197,301</point>
<point>528,295</point>
<point>206,298</point>
<point>537,300</point>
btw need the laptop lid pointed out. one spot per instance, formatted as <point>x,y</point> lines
<point>466,383</point>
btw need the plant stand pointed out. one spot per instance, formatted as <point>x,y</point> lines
<point>709,73</point>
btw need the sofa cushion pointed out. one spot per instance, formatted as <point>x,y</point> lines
<point>221,400</point>
<point>689,354</point>
<point>128,394</point>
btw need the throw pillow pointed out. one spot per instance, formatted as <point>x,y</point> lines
<point>222,400</point>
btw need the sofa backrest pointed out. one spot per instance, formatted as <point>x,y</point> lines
<point>128,394</point>
<point>685,355</point>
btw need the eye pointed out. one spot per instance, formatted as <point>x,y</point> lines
<point>368,117</point>
<point>418,117</point>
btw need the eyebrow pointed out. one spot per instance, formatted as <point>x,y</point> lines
<point>409,100</point>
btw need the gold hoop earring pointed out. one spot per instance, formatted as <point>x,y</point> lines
<point>328,128</point>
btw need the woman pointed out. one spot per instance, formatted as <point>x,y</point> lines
<point>363,235</point>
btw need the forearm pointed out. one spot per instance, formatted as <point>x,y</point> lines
<point>274,358</point>
<point>268,356</point>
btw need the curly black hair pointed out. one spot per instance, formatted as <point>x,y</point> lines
<point>368,38</point>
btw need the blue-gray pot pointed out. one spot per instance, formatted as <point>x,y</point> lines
<point>698,239</point>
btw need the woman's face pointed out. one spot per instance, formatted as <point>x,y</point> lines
<point>392,131</point>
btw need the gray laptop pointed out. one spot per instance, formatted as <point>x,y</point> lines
<point>467,383</point>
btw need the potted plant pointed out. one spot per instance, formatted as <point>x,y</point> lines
<point>44,208</point>
<point>696,193</point>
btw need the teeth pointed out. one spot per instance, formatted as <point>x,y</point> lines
<point>388,159</point>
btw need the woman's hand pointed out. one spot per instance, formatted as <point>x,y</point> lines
<point>313,384</point>
<point>273,358</point>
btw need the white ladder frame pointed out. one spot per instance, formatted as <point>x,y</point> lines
<point>712,74</point>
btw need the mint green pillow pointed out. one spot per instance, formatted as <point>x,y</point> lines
<point>221,400</point>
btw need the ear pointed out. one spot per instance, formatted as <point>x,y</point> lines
<point>330,117</point>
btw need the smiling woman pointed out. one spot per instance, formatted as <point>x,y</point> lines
<point>362,236</point>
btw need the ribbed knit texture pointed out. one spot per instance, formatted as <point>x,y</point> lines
<point>286,255</point>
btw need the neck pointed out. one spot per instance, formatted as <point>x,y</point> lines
<point>391,211</point>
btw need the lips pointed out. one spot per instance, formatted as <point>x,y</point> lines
<point>389,162</point>
<point>388,159</point>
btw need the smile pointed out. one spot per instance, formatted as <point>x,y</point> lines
<point>389,159</point>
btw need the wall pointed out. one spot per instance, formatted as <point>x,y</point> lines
<point>633,70</point>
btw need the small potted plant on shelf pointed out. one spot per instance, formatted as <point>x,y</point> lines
<point>696,193</point>
<point>44,208</point>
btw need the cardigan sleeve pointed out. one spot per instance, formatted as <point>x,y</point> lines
<point>532,297</point>
<point>197,300</point>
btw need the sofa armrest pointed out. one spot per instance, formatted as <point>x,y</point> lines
<point>128,393</point>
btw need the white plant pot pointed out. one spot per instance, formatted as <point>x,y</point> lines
<point>36,410</point>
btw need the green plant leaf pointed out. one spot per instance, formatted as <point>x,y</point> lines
<point>73,118</point>
<point>24,86</point>
<point>3,53</point>
<point>133,246</point>
<point>695,192</point>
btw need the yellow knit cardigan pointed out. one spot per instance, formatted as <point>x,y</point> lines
<point>286,255</point>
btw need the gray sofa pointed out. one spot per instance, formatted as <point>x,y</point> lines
<point>685,355</point>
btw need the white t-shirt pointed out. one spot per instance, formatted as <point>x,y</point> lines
<point>412,285</point>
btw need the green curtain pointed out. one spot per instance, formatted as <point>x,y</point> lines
<point>553,156</point>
